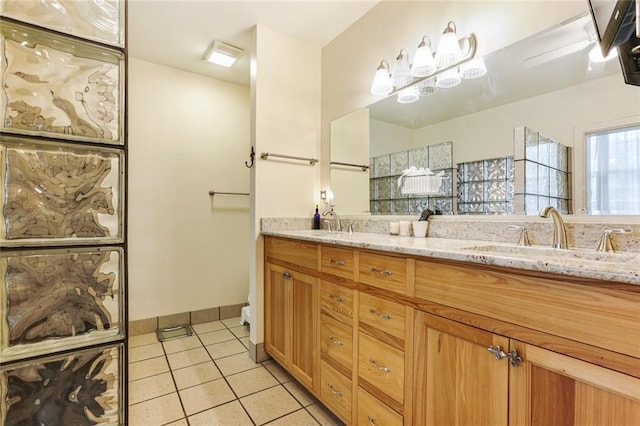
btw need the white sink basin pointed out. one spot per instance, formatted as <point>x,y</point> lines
<point>541,253</point>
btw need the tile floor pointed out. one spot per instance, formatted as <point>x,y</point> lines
<point>209,379</point>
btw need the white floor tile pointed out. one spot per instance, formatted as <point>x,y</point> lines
<point>231,413</point>
<point>148,367</point>
<point>207,327</point>
<point>145,352</point>
<point>196,375</point>
<point>157,411</point>
<point>181,344</point>
<point>142,339</point>
<point>235,363</point>
<point>251,381</point>
<point>205,396</point>
<point>188,358</point>
<point>216,337</point>
<point>150,387</point>
<point>220,350</point>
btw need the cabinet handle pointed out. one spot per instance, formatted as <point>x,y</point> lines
<point>383,316</point>
<point>286,275</point>
<point>333,391</point>
<point>336,262</point>
<point>338,299</point>
<point>381,368</point>
<point>372,422</point>
<point>514,358</point>
<point>336,341</point>
<point>381,271</point>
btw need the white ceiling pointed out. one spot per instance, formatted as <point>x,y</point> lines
<point>176,33</point>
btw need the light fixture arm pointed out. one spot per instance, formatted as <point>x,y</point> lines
<point>470,40</point>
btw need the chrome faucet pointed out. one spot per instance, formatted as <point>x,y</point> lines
<point>559,231</point>
<point>329,212</point>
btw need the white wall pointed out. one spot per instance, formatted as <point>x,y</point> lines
<point>285,95</point>
<point>187,134</point>
<point>350,60</point>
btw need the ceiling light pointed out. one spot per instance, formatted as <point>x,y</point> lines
<point>448,79</point>
<point>474,68</point>
<point>222,53</point>
<point>427,87</point>
<point>382,81</point>
<point>423,62</point>
<point>449,51</point>
<point>401,73</point>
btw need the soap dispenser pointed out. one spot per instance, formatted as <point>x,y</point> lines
<point>316,219</point>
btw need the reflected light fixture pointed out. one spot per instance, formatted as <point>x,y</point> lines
<point>407,96</point>
<point>221,53</point>
<point>427,87</point>
<point>382,81</point>
<point>423,62</point>
<point>473,69</point>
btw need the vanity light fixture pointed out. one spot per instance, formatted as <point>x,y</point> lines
<point>382,80</point>
<point>452,62</point>
<point>221,53</point>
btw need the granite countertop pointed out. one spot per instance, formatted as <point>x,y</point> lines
<point>621,267</point>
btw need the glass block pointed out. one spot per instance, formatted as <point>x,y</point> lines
<point>445,186</point>
<point>496,168</point>
<point>460,172</point>
<point>372,189</point>
<point>496,191</point>
<point>399,162</point>
<point>383,188</point>
<point>554,186</point>
<point>554,147</point>
<point>400,206</point>
<point>56,193</point>
<point>460,189</point>
<point>563,158</point>
<point>101,21</point>
<point>543,180</point>
<point>60,87</point>
<point>531,204</point>
<point>79,388</point>
<point>395,191</point>
<point>441,156</point>
<point>474,171</point>
<point>382,166</point>
<point>419,157</point>
<point>510,168</point>
<point>418,205</point>
<point>511,208</point>
<point>462,208</point>
<point>553,202</point>
<point>510,190</point>
<point>496,208</point>
<point>82,289</point>
<point>543,150</point>
<point>373,206</point>
<point>474,192</point>
<point>475,208</point>
<point>563,206</point>
<point>531,144</point>
<point>384,207</point>
<point>563,184</point>
<point>531,177</point>
<point>445,205</point>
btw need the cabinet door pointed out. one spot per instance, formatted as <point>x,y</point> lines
<point>305,328</point>
<point>277,291</point>
<point>550,389</point>
<point>456,380</point>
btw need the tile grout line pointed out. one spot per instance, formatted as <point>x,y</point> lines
<point>176,386</point>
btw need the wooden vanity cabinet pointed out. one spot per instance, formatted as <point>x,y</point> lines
<point>291,309</point>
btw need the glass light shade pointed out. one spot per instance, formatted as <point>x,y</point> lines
<point>595,55</point>
<point>449,51</point>
<point>473,69</point>
<point>382,81</point>
<point>423,62</point>
<point>407,96</point>
<point>427,87</point>
<point>449,79</point>
<point>401,72</point>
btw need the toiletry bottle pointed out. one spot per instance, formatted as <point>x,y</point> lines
<point>316,219</point>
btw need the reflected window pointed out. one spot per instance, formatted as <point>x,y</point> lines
<point>613,171</point>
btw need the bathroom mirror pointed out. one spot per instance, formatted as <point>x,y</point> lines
<point>545,82</point>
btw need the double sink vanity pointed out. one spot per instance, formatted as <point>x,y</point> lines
<point>443,331</point>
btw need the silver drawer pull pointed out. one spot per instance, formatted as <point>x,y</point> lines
<point>338,299</point>
<point>383,316</point>
<point>335,392</point>
<point>381,271</point>
<point>336,341</point>
<point>372,422</point>
<point>336,262</point>
<point>286,275</point>
<point>381,368</point>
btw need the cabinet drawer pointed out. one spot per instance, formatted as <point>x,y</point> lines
<point>292,251</point>
<point>373,412</point>
<point>337,300</point>
<point>381,365</point>
<point>382,314</point>
<point>337,261</point>
<point>336,391</point>
<point>387,272</point>
<point>337,341</point>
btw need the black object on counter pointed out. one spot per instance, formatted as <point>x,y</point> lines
<point>316,219</point>
<point>425,214</point>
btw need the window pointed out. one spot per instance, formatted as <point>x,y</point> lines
<point>613,171</point>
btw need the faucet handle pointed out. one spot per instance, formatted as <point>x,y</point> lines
<point>328,225</point>
<point>524,235</point>
<point>605,241</point>
<point>351,227</point>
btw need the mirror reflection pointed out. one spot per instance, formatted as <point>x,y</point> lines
<point>546,83</point>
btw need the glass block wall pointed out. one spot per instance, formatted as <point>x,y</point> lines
<point>385,195</point>
<point>486,186</point>
<point>543,173</point>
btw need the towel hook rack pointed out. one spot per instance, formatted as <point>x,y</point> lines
<point>212,193</point>
<point>252,158</point>
<point>266,155</point>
